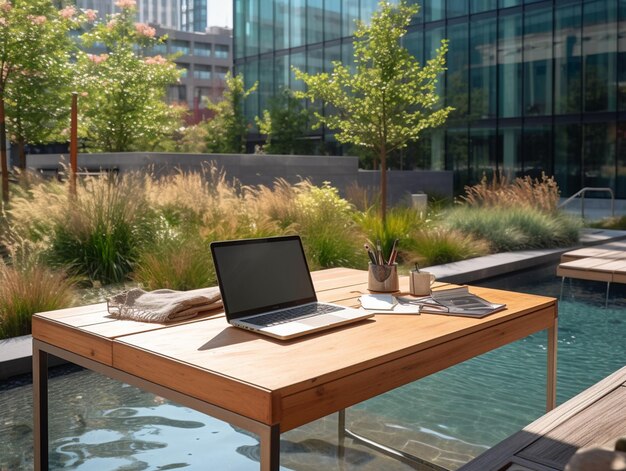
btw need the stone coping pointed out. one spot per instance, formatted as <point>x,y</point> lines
<point>16,353</point>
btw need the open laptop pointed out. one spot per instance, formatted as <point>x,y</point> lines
<point>266,287</point>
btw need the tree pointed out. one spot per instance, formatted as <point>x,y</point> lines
<point>122,91</point>
<point>390,99</point>
<point>285,123</point>
<point>227,130</point>
<point>34,63</point>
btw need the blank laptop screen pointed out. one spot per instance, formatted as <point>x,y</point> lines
<point>259,275</point>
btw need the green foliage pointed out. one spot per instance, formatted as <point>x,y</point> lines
<point>438,245</point>
<point>156,230</point>
<point>27,289</point>
<point>227,130</point>
<point>519,228</point>
<point>615,223</point>
<point>390,99</point>
<point>122,103</point>
<point>328,232</point>
<point>285,123</point>
<point>34,58</point>
<point>100,233</point>
<point>180,262</point>
<point>401,223</point>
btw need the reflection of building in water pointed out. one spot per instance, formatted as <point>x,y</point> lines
<point>538,87</point>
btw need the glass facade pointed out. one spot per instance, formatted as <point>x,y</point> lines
<point>537,86</point>
<point>193,15</point>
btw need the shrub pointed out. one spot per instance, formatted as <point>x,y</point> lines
<point>401,223</point>
<point>206,200</point>
<point>615,223</point>
<point>324,221</point>
<point>27,290</point>
<point>100,232</point>
<point>180,262</point>
<point>514,228</point>
<point>441,245</point>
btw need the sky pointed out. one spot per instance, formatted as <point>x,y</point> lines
<point>220,13</point>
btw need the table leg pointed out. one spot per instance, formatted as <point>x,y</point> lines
<point>40,408</point>
<point>551,381</point>
<point>270,448</point>
<point>341,435</point>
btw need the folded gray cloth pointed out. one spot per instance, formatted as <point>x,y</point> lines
<point>163,305</point>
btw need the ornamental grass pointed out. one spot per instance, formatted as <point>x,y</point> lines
<point>28,289</point>
<point>540,194</point>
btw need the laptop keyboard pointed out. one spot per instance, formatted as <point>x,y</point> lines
<point>289,315</point>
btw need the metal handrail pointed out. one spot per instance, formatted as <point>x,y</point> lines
<point>582,192</point>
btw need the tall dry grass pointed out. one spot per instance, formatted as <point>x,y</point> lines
<point>542,194</point>
<point>27,289</point>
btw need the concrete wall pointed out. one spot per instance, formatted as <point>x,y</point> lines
<point>252,169</point>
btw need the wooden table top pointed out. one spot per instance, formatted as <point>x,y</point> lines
<point>296,381</point>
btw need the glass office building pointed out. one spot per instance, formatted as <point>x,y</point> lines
<point>537,86</point>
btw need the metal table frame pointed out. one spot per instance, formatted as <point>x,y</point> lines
<point>269,435</point>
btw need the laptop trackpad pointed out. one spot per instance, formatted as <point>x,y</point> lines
<point>319,321</point>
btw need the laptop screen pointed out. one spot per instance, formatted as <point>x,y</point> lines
<point>260,275</point>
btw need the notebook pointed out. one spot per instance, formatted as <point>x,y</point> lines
<point>266,287</point>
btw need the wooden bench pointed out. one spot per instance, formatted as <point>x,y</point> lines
<point>595,417</point>
<point>605,263</point>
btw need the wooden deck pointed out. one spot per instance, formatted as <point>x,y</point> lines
<point>595,417</point>
<point>605,263</point>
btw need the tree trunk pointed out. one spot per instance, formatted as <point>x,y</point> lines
<point>3,153</point>
<point>383,184</point>
<point>21,151</point>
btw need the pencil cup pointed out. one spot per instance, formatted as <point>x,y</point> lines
<point>420,283</point>
<point>383,278</point>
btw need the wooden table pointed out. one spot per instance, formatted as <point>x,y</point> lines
<point>270,386</point>
<point>594,418</point>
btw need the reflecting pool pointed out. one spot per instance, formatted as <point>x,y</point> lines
<point>447,418</point>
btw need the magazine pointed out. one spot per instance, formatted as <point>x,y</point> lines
<point>456,302</point>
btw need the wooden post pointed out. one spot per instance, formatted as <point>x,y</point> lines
<point>74,143</point>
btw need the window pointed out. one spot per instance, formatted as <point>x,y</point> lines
<point>567,60</point>
<point>457,93</point>
<point>510,66</point>
<point>599,155</point>
<point>184,68</point>
<point>567,139</point>
<point>203,95</point>
<point>201,49</point>
<point>222,51</point>
<point>281,24</point>
<point>220,73</point>
<point>178,45</point>
<point>483,68</point>
<point>538,62</point>
<point>434,10</point>
<point>332,19</point>
<point>266,43</point>
<point>177,94</point>
<point>298,23</point>
<point>599,67</point>
<point>202,72</point>
<point>315,21</point>
<point>251,28</point>
<point>509,151</point>
<point>537,144</point>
